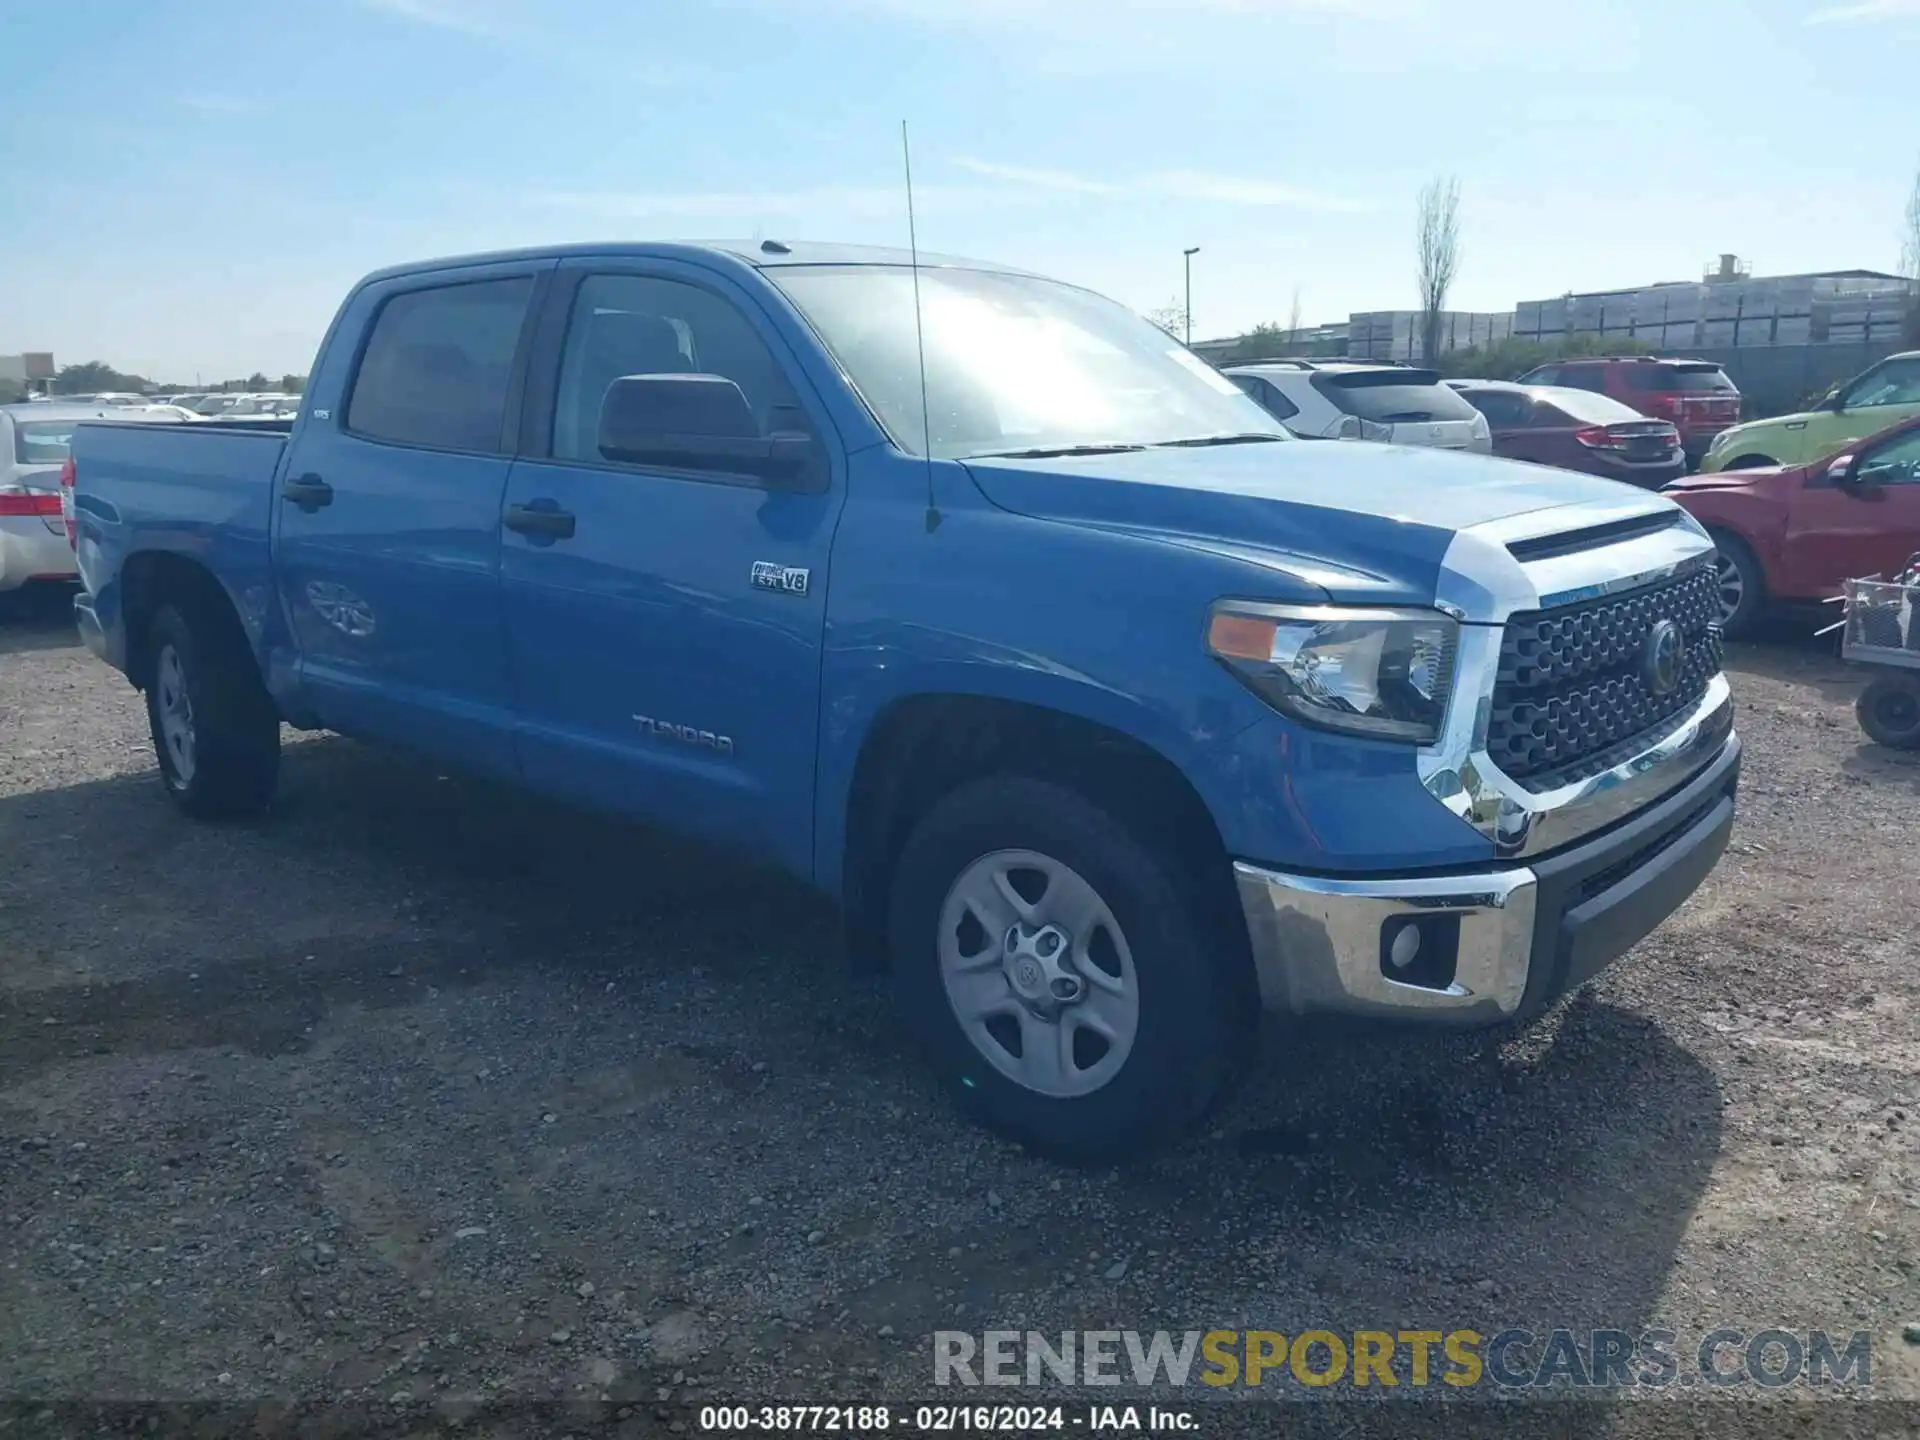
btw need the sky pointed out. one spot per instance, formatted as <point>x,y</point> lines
<point>190,186</point>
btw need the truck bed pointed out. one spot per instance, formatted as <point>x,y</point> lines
<point>199,490</point>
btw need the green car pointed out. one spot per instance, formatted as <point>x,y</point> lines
<point>1885,395</point>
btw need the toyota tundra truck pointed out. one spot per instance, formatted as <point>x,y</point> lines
<point>1109,713</point>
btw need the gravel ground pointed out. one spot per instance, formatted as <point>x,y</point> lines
<point>425,1091</point>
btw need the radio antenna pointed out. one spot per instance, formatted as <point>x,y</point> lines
<point>919,333</point>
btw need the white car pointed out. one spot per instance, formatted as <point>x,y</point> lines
<point>1357,400</point>
<point>34,442</point>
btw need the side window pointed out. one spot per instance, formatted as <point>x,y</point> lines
<point>1544,375</point>
<point>1503,409</point>
<point>1895,383</point>
<point>1269,397</point>
<point>625,325</point>
<point>1895,463</point>
<point>436,368</point>
<point>1584,377</point>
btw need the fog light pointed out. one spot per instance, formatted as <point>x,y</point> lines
<point>1421,950</point>
<point>1403,947</point>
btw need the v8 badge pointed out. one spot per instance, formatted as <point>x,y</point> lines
<point>786,579</point>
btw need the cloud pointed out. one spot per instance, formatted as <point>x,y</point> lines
<point>1044,179</point>
<point>1195,185</point>
<point>1866,10</point>
<point>219,104</point>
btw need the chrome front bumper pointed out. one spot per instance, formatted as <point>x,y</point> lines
<point>1527,933</point>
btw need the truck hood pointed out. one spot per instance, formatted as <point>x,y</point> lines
<point>1363,522</point>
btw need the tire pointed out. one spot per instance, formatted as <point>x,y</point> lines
<point>1742,585</point>
<point>215,732</point>
<point>1889,711</point>
<point>1101,1097</point>
<point>1750,462</point>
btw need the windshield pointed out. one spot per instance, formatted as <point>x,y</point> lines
<point>42,442</point>
<point>1012,363</point>
<point>1390,397</point>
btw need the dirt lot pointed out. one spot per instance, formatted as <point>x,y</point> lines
<point>425,1090</point>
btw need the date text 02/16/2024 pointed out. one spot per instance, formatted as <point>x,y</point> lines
<point>947,1419</point>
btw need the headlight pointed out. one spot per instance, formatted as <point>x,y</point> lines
<point>1376,672</point>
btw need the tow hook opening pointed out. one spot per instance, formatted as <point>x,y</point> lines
<point>1421,950</point>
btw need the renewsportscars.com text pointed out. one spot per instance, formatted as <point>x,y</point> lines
<point>1510,1359</point>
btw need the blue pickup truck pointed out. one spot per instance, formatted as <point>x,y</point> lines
<point>1110,713</point>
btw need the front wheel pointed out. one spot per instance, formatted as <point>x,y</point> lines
<point>1741,586</point>
<point>1750,462</point>
<point>1072,987</point>
<point>1889,711</point>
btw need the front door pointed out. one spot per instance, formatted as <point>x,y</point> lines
<point>665,626</point>
<point>1837,532</point>
<point>388,553</point>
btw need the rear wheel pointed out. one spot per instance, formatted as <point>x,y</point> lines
<point>215,731</point>
<point>1742,587</point>
<point>1069,983</point>
<point>1889,711</point>
<point>1750,462</point>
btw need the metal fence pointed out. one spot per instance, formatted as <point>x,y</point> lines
<point>1775,379</point>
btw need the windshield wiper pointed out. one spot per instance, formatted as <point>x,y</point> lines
<point>1051,452</point>
<point>1249,438</point>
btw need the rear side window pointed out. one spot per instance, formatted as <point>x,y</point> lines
<point>1390,397</point>
<point>1680,379</point>
<point>1504,409</point>
<point>1268,396</point>
<point>437,366</point>
<point>42,442</point>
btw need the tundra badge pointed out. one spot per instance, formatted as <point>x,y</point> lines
<point>685,734</point>
<point>787,579</point>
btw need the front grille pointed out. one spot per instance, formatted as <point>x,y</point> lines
<point>1572,692</point>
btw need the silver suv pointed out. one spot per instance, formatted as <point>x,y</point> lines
<point>1341,400</point>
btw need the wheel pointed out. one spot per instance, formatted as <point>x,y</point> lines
<point>1742,586</point>
<point>1075,992</point>
<point>1889,711</point>
<point>1750,462</point>
<point>215,731</point>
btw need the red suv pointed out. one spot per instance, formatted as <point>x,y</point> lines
<point>1695,395</point>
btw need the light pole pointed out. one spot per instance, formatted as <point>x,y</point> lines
<point>1188,255</point>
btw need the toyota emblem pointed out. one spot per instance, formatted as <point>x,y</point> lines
<point>1660,658</point>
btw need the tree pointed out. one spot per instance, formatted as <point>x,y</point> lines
<point>293,384</point>
<point>92,376</point>
<point>1172,318</point>
<point>257,381</point>
<point>1438,244</point>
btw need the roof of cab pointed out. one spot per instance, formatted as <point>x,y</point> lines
<point>754,254</point>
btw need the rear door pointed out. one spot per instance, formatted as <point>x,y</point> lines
<point>388,547</point>
<point>1509,416</point>
<point>666,622</point>
<point>1837,533</point>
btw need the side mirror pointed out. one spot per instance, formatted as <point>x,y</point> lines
<point>1833,401</point>
<point>1844,472</point>
<point>696,422</point>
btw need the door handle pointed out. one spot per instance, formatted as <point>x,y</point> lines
<point>540,520</point>
<point>309,492</point>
